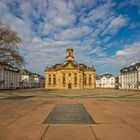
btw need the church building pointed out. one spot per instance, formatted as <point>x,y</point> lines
<point>69,75</point>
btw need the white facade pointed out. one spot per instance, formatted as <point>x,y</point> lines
<point>39,80</point>
<point>105,81</point>
<point>26,79</point>
<point>30,80</point>
<point>13,78</point>
<point>9,76</point>
<point>129,77</point>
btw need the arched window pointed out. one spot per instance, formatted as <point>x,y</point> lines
<point>54,79</point>
<point>75,79</point>
<point>49,80</point>
<point>89,79</point>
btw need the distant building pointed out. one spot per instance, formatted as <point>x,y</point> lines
<point>12,78</point>
<point>39,81</point>
<point>9,76</point>
<point>129,77</point>
<point>105,81</point>
<point>26,79</point>
<point>69,75</point>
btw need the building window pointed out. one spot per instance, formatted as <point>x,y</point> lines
<point>89,79</point>
<point>54,79</point>
<point>64,79</point>
<point>49,79</point>
<point>85,79</point>
<point>80,80</point>
<point>75,79</point>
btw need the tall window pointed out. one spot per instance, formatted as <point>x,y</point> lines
<point>64,79</point>
<point>49,79</point>
<point>85,80</point>
<point>75,79</point>
<point>89,79</point>
<point>54,79</point>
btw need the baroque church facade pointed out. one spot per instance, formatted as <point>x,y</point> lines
<point>70,74</point>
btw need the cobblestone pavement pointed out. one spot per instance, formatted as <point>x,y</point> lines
<point>116,115</point>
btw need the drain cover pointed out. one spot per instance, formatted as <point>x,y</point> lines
<point>69,114</point>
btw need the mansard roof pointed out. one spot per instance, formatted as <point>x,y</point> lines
<point>66,65</point>
<point>84,66</point>
<point>37,75</point>
<point>56,66</point>
<point>132,67</point>
<point>107,75</point>
<point>8,67</point>
<point>26,72</point>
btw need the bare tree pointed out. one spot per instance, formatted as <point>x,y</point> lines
<point>9,46</point>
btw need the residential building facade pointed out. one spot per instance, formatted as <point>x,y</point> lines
<point>13,78</point>
<point>9,76</point>
<point>39,81</point>
<point>129,77</point>
<point>69,75</point>
<point>105,81</point>
<point>26,79</point>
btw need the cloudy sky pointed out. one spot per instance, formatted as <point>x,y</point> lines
<point>103,33</point>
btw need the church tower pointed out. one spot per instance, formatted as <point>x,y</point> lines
<point>69,74</point>
<point>69,54</point>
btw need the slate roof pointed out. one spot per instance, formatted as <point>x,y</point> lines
<point>24,71</point>
<point>131,68</point>
<point>107,75</point>
<point>38,75</point>
<point>64,65</point>
<point>8,67</point>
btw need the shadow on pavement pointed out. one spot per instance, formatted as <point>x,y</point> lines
<point>17,98</point>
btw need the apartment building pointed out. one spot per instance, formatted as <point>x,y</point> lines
<point>129,77</point>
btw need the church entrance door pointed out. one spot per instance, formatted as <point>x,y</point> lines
<point>69,86</point>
